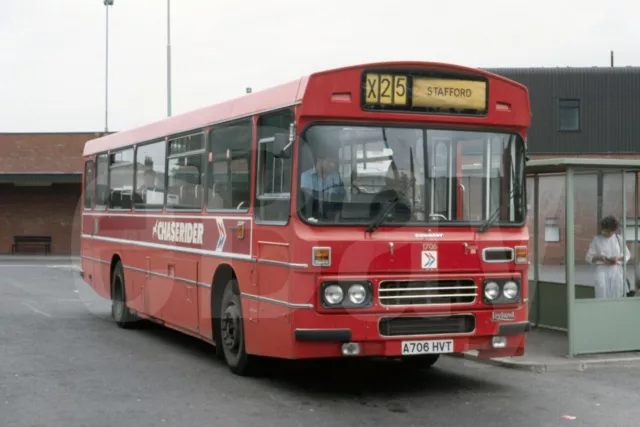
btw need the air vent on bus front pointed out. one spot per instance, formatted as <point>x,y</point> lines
<point>427,325</point>
<point>497,254</point>
<point>427,292</point>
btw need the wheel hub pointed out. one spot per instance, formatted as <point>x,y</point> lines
<point>231,328</point>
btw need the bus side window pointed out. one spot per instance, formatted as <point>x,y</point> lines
<point>185,165</point>
<point>102,183</point>
<point>273,181</point>
<point>121,179</point>
<point>229,166</point>
<point>89,180</point>
<point>150,175</point>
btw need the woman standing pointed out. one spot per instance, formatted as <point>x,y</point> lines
<point>605,251</point>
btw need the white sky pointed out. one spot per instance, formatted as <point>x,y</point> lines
<point>52,52</point>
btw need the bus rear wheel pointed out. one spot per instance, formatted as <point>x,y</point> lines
<point>231,333</point>
<point>119,310</point>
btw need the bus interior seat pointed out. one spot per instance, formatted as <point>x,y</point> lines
<point>214,200</point>
<point>126,198</point>
<point>183,185</point>
<point>197,195</point>
<point>218,196</point>
<point>115,198</point>
<point>239,194</point>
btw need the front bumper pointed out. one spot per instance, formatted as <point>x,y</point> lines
<point>322,335</point>
<point>345,335</point>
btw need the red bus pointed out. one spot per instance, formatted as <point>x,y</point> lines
<point>372,210</point>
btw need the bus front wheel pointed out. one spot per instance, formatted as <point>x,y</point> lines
<point>231,333</point>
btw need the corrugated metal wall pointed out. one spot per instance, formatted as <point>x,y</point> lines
<point>609,108</point>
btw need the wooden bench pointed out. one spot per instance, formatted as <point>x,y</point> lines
<point>19,241</point>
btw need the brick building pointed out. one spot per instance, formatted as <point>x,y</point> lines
<point>40,187</point>
<point>582,112</point>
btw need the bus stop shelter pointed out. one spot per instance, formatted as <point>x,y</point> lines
<point>585,190</point>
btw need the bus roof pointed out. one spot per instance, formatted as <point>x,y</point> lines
<point>276,97</point>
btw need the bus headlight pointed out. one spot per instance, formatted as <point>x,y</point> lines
<point>347,294</point>
<point>357,294</point>
<point>491,291</point>
<point>333,294</point>
<point>510,290</point>
<point>501,291</point>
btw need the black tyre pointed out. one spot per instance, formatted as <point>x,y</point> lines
<point>231,333</point>
<point>119,310</point>
<point>423,361</point>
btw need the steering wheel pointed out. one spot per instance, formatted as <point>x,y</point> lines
<point>401,212</point>
<point>357,189</point>
<point>433,216</point>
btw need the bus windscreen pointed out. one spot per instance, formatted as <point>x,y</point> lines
<point>348,174</point>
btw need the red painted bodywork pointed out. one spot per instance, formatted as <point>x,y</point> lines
<point>175,287</point>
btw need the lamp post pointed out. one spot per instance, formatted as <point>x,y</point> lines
<point>107,3</point>
<point>169,58</point>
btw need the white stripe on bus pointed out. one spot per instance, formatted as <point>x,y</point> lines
<point>203,252</point>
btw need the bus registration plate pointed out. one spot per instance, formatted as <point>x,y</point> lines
<point>427,347</point>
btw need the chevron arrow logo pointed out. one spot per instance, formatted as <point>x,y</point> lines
<point>429,260</point>
<point>222,234</point>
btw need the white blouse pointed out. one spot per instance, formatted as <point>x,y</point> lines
<point>608,247</point>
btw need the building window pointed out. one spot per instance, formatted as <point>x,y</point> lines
<point>630,230</point>
<point>551,230</point>
<point>569,115</point>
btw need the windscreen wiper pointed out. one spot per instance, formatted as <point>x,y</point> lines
<point>494,216</point>
<point>382,214</point>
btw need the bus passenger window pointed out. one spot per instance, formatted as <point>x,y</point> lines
<point>150,174</point>
<point>88,184</point>
<point>102,182</point>
<point>121,179</point>
<point>185,166</point>
<point>229,166</point>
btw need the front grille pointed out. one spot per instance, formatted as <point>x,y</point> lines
<point>431,325</point>
<point>427,292</point>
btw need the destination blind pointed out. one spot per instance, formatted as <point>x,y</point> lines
<point>407,92</point>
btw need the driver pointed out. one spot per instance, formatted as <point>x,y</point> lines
<point>323,177</point>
